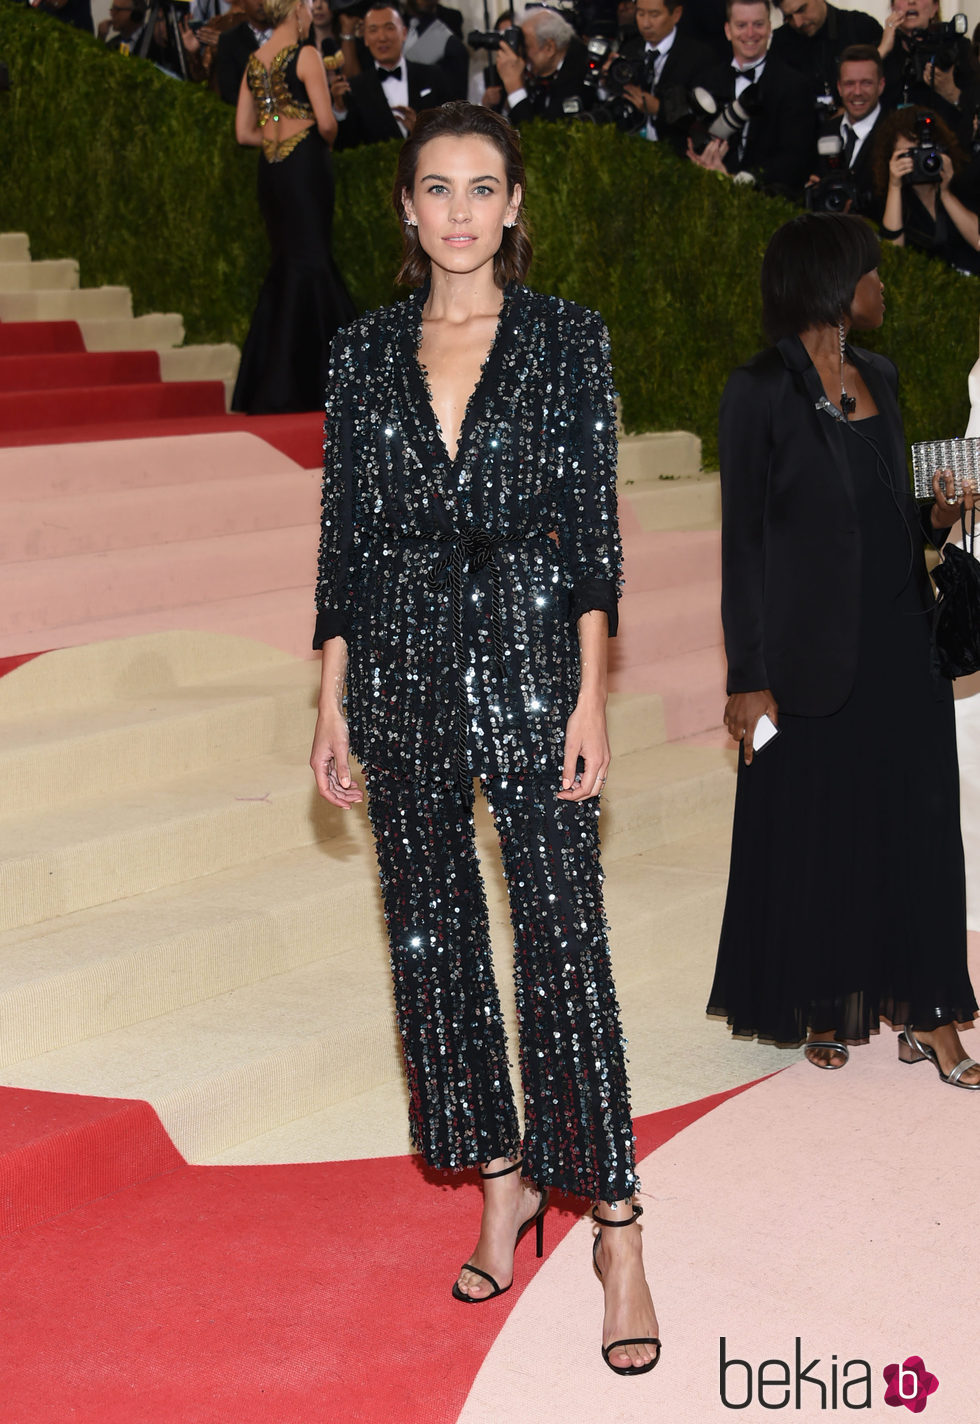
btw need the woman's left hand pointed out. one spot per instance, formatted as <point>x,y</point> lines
<point>585,737</point>
<point>947,508</point>
<point>947,173</point>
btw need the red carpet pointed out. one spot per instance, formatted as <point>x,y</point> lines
<point>264,1295</point>
<point>57,370</point>
<point>298,436</point>
<point>24,338</point>
<point>15,661</point>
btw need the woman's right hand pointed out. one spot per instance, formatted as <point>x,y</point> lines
<point>742,712</point>
<point>900,162</point>
<point>329,760</point>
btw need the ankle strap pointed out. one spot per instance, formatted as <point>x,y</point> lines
<point>604,1220</point>
<point>504,1171</point>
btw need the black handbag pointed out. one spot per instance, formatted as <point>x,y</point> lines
<point>956,631</point>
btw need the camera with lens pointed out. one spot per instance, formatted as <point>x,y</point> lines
<point>836,190</point>
<point>926,153</point>
<point>719,118</point>
<point>616,108</point>
<point>491,40</point>
<point>938,45</point>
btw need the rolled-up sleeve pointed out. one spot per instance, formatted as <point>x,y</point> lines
<point>590,536</point>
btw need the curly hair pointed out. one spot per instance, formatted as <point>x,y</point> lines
<point>460,119</point>
<point>902,122</point>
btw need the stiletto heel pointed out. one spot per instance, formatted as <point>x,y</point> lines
<point>910,1050</point>
<point>637,1340</point>
<point>537,1221</point>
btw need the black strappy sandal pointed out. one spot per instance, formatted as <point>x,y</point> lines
<point>640,1339</point>
<point>537,1221</point>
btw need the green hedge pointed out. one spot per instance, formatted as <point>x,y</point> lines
<point>140,178</point>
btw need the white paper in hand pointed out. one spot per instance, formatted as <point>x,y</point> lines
<point>765,730</point>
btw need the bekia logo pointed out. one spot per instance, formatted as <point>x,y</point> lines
<point>784,1384</point>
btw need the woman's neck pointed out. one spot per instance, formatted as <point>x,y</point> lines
<point>458,296</point>
<point>823,343</point>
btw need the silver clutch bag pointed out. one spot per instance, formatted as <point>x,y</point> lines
<point>962,456</point>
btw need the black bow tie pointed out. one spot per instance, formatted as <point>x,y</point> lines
<point>748,74</point>
<point>384,74</point>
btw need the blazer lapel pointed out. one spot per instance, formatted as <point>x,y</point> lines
<point>830,430</point>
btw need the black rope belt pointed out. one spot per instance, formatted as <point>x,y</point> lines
<point>472,550</point>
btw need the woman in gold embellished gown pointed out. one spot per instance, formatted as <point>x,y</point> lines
<point>284,108</point>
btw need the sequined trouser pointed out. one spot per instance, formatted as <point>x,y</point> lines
<point>578,1133</point>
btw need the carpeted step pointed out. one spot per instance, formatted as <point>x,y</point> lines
<point>692,503</point>
<point>40,471</point>
<point>660,454</point>
<point>53,759</point>
<point>40,594</point>
<point>150,400</point>
<point>36,338</point>
<point>58,275</point>
<point>60,370</point>
<point>692,685</point>
<point>156,331</point>
<point>60,1149</point>
<point>53,528</point>
<point>86,303</point>
<point>663,559</point>
<point>655,622</point>
<point>299,437</point>
<point>86,974</point>
<point>15,247</point>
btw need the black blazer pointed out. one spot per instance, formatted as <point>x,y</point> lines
<point>231,60</point>
<point>781,136</point>
<point>549,99</point>
<point>369,117</point>
<point>688,60</point>
<point>790,540</point>
<point>870,203</point>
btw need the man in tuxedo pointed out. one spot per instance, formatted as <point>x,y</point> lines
<point>860,84</point>
<point>551,83</point>
<point>774,148</point>
<point>384,100</point>
<point>672,62</point>
<point>814,35</point>
<point>234,48</point>
<point>432,40</point>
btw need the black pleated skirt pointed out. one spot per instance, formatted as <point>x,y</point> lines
<point>303,300</point>
<point>846,893</point>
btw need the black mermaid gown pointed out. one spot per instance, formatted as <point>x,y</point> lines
<point>846,894</point>
<point>303,300</point>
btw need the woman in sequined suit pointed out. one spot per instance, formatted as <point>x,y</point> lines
<point>284,109</point>
<point>467,588</point>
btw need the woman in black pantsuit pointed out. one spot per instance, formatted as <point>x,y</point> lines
<point>469,577</point>
<point>846,896</point>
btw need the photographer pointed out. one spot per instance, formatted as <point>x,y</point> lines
<point>550,84</point>
<point>926,64</point>
<point>430,40</point>
<point>844,182</point>
<point>234,48</point>
<point>812,38</point>
<point>670,62</point>
<point>774,146</point>
<point>124,25</point>
<point>918,167</point>
<point>385,99</point>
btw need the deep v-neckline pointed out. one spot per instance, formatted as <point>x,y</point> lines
<point>464,426</point>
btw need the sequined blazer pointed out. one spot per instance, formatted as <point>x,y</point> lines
<point>458,583</point>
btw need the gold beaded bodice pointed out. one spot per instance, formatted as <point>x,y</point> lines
<point>278,93</point>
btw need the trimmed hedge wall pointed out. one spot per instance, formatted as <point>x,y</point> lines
<point>139,176</point>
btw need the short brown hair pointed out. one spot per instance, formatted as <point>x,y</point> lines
<point>730,3</point>
<point>861,54</point>
<point>460,119</point>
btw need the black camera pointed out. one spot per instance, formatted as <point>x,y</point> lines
<point>926,153</point>
<point>720,118</point>
<point>491,40</point>
<point>836,190</point>
<point>938,45</point>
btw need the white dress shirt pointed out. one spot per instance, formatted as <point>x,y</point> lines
<point>861,130</point>
<point>663,50</point>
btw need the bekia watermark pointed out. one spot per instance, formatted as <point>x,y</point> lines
<point>810,1384</point>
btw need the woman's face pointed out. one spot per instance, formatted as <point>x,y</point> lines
<point>868,302</point>
<point>918,14</point>
<point>321,12</point>
<point>460,201</point>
